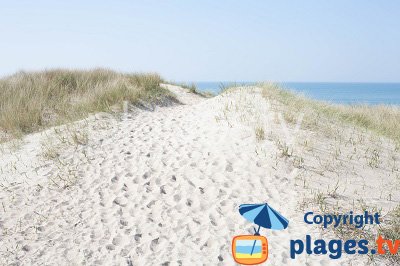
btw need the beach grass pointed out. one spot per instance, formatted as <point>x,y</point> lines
<point>192,88</point>
<point>392,232</point>
<point>31,101</point>
<point>382,119</point>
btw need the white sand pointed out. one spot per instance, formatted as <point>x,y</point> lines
<point>157,187</point>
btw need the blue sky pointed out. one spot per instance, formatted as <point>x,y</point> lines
<point>207,40</point>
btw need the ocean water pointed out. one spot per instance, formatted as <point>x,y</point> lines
<point>335,92</point>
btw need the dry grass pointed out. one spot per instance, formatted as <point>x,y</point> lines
<point>347,128</point>
<point>260,133</point>
<point>392,232</point>
<point>192,88</point>
<point>382,119</point>
<point>72,138</point>
<point>389,229</point>
<point>31,101</point>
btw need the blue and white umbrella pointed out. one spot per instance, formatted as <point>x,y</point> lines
<point>263,215</point>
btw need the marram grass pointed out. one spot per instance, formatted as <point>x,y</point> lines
<point>31,101</point>
<point>382,119</point>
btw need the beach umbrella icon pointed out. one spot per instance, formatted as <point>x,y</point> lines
<point>263,215</point>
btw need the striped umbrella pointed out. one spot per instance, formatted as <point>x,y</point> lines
<point>263,215</point>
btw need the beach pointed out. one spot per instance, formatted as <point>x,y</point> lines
<point>162,185</point>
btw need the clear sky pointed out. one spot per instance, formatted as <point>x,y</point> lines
<point>340,40</point>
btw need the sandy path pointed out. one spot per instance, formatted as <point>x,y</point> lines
<point>157,188</point>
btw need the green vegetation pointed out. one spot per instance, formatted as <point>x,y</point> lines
<point>30,101</point>
<point>382,119</point>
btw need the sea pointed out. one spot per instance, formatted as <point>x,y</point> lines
<point>334,92</point>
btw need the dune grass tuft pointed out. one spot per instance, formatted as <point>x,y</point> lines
<point>382,119</point>
<point>392,232</point>
<point>30,101</point>
<point>192,88</point>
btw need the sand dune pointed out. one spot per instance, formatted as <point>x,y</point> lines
<point>155,187</point>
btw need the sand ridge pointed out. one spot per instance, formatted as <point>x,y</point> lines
<point>155,187</point>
